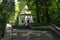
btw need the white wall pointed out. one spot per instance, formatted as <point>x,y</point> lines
<point>16,1</point>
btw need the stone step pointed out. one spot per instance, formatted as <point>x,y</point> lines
<point>32,39</point>
<point>32,35</point>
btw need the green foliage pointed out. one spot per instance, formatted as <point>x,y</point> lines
<point>53,10</point>
<point>21,6</point>
<point>6,10</point>
<point>40,8</point>
<point>32,7</point>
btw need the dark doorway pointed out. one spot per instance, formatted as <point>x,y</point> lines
<point>22,21</point>
<point>27,21</point>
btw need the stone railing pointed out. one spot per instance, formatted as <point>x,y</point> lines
<point>7,35</point>
<point>56,29</point>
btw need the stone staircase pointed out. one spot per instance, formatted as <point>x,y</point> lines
<point>32,35</point>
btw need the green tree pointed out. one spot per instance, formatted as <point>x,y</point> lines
<point>5,12</point>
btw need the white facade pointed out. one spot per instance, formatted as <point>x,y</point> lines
<point>16,1</point>
<point>25,17</point>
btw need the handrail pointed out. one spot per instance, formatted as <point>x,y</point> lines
<point>55,29</point>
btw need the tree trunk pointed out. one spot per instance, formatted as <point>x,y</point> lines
<point>47,12</point>
<point>37,10</point>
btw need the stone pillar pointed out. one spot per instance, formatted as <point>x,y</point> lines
<point>7,35</point>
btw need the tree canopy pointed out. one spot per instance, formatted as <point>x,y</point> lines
<point>45,11</point>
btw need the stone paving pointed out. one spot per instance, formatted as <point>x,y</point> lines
<point>33,35</point>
